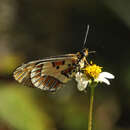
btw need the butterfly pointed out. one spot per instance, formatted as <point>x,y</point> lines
<point>51,73</point>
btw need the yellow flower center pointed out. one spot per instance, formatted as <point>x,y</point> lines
<point>92,70</point>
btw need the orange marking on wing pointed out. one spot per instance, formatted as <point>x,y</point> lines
<point>51,82</point>
<point>45,82</point>
<point>58,63</point>
<point>56,84</point>
<point>42,78</point>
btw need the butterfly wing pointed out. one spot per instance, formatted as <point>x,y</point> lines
<point>47,74</point>
<point>22,74</point>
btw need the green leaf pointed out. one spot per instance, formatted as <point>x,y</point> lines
<point>17,107</point>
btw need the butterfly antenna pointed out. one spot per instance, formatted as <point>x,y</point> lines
<point>91,52</point>
<point>86,35</point>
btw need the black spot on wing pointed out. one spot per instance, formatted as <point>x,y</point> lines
<point>67,72</point>
<point>57,67</point>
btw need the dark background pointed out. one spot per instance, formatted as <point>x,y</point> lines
<point>31,30</point>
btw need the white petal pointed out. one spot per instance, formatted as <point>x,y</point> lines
<point>107,75</point>
<point>106,81</point>
<point>78,76</point>
<point>81,80</point>
<point>82,85</point>
<point>102,79</point>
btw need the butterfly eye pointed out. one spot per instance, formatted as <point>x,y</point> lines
<point>84,50</point>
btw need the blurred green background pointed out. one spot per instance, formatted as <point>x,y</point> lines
<point>31,30</point>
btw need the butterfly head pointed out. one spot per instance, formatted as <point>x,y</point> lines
<point>85,52</point>
<point>82,53</point>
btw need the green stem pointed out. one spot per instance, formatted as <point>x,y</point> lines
<point>90,119</point>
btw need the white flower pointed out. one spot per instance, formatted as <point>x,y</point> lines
<point>91,74</point>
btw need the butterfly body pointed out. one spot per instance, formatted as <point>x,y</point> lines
<point>51,73</point>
